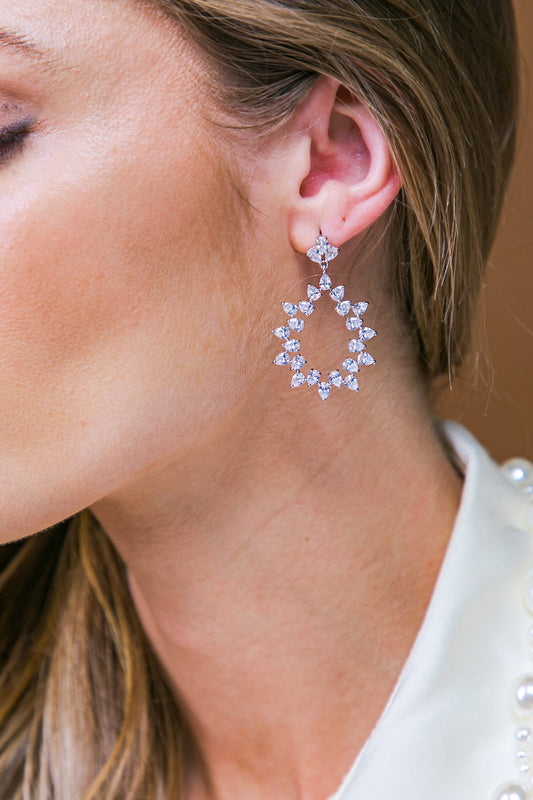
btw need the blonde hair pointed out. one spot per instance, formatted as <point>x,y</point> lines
<point>85,709</point>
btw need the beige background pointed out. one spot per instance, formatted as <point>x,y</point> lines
<point>494,394</point>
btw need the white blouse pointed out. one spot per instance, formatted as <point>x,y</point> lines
<point>459,723</point>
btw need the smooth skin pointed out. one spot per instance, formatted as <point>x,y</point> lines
<point>281,551</point>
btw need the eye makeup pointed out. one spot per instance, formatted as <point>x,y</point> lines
<point>12,137</point>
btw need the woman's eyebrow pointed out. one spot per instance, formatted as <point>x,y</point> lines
<point>22,45</point>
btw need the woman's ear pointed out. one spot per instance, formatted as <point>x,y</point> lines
<point>339,175</point>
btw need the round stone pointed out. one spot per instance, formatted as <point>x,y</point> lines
<point>513,791</point>
<point>523,695</point>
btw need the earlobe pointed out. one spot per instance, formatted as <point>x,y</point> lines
<point>350,178</point>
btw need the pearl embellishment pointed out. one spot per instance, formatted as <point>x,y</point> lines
<point>512,792</point>
<point>523,696</point>
<point>520,473</point>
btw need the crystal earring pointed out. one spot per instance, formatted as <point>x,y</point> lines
<point>322,253</point>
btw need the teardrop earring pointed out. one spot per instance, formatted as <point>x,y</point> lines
<point>322,253</point>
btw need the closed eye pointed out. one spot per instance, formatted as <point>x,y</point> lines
<point>12,138</point>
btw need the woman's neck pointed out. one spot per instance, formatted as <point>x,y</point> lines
<point>281,572</point>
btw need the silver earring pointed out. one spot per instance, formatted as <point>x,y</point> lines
<point>322,253</point>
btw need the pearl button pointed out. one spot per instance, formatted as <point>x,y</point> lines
<point>518,470</point>
<point>523,696</point>
<point>512,792</point>
<point>523,734</point>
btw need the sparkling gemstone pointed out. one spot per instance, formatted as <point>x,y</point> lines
<point>351,383</point>
<point>343,308</point>
<point>367,333</point>
<point>523,734</point>
<point>296,325</point>
<point>356,346</point>
<point>520,755</point>
<point>313,377</point>
<point>298,362</point>
<point>282,359</point>
<point>337,294</point>
<point>518,470</point>
<point>313,293</point>
<point>366,359</point>
<point>336,378</point>
<point>512,791</point>
<point>350,365</point>
<point>290,309</point>
<point>292,346</point>
<point>360,308</point>
<point>353,323</point>
<point>298,379</point>
<point>306,307</point>
<point>325,282</point>
<point>324,390</point>
<point>523,695</point>
<point>524,768</point>
<point>282,332</point>
<point>322,249</point>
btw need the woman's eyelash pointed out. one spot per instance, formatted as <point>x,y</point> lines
<point>12,138</point>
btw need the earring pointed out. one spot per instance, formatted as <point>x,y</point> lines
<point>322,253</point>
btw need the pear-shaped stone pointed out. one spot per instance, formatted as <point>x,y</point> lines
<point>282,359</point>
<point>367,333</point>
<point>324,390</point>
<point>337,294</point>
<point>298,362</point>
<point>290,309</point>
<point>313,377</point>
<point>350,365</point>
<point>343,308</point>
<point>360,308</point>
<point>351,383</point>
<point>354,323</point>
<point>298,379</point>
<point>313,293</point>
<point>283,332</point>
<point>292,346</point>
<point>306,307</point>
<point>366,359</point>
<point>325,282</point>
<point>356,346</point>
<point>296,325</point>
<point>335,378</point>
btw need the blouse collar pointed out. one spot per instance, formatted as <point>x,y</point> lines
<point>447,729</point>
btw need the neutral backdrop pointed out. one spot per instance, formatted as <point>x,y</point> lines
<point>493,396</point>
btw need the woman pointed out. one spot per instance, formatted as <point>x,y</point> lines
<point>248,569</point>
